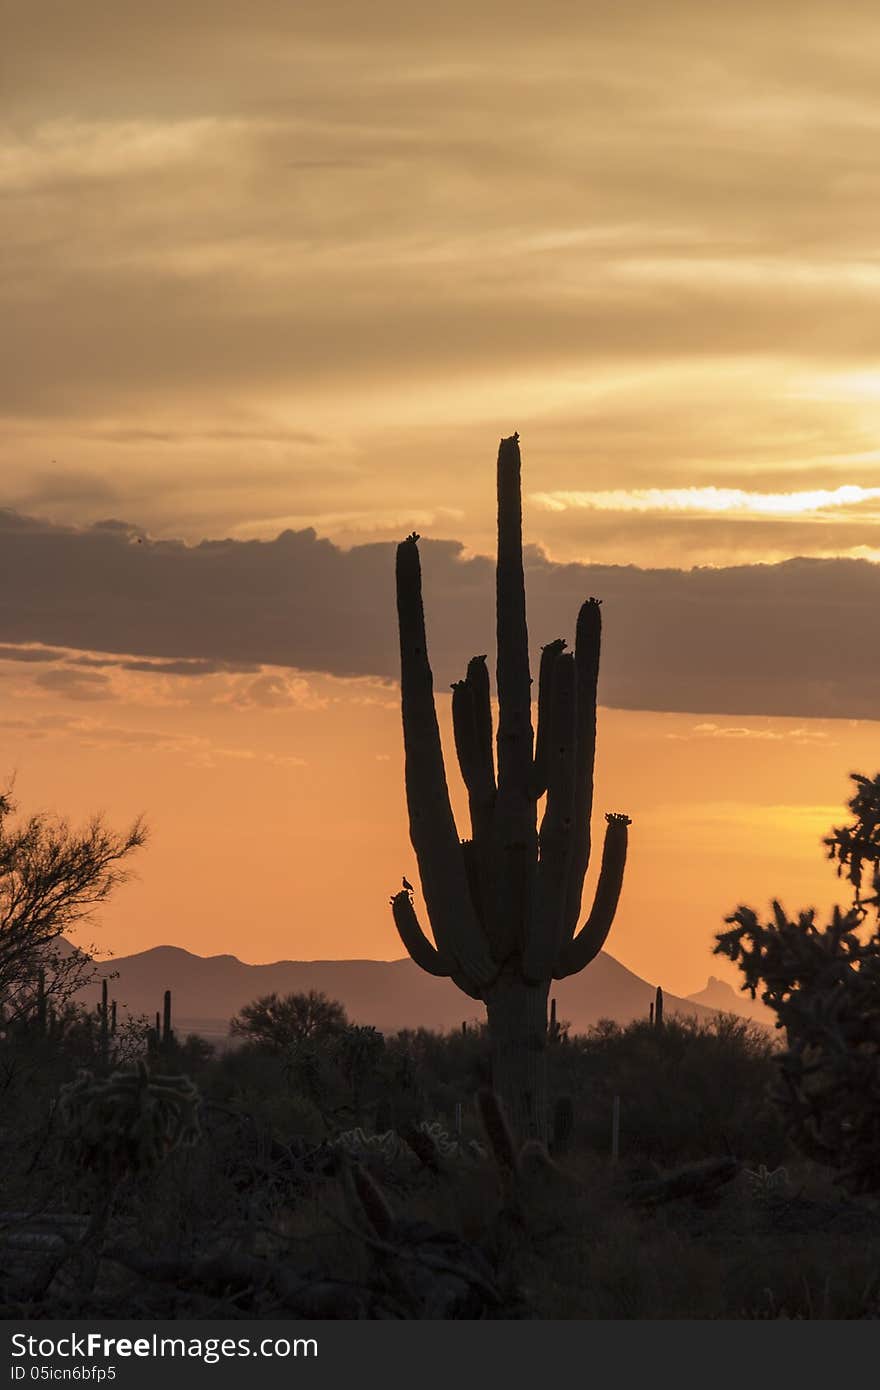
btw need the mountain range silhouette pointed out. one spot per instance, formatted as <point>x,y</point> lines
<point>390,995</point>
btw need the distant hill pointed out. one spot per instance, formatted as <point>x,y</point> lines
<point>208,990</point>
<point>718,994</point>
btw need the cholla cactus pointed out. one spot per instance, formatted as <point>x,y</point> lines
<point>563,1124</point>
<point>498,1132</point>
<point>763,1181</point>
<point>358,1144</point>
<point>445,1146</point>
<point>504,905</point>
<point>390,1147</point>
<point>364,1196</point>
<point>450,1147</point>
<point>524,1170</point>
<point>128,1122</point>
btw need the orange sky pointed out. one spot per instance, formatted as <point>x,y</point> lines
<point>280,833</point>
<point>283,267</point>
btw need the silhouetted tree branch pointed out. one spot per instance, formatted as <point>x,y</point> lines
<point>279,1022</point>
<point>52,877</point>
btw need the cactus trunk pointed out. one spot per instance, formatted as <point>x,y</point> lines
<point>517,1016</point>
<point>41,1003</point>
<point>104,1044</point>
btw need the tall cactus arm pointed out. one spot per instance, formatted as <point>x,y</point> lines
<point>417,944</point>
<point>554,841</point>
<point>586,657</point>
<point>549,655</point>
<point>465,731</point>
<point>431,823</point>
<point>482,794</point>
<point>471,858</point>
<point>593,934</point>
<point>515,750</point>
<point>478,681</point>
<point>477,777</point>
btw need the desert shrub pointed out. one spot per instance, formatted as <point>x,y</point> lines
<point>276,1022</point>
<point>823,983</point>
<point>431,1073</point>
<point>688,1090</point>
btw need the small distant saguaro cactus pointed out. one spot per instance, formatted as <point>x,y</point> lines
<point>41,1009</point>
<point>104,1019</point>
<point>554,1030</point>
<point>504,904</point>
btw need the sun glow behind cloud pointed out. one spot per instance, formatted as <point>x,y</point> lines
<point>709,500</point>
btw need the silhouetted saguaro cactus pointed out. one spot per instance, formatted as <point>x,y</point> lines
<point>504,904</point>
<point>563,1125</point>
<point>41,1003</point>
<point>658,1008</point>
<point>104,1032</point>
<point>166,1017</point>
<point>553,1031</point>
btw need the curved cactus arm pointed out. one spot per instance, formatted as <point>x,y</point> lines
<point>515,739</point>
<point>554,841</point>
<point>593,934</point>
<point>586,657</point>
<point>467,986</point>
<point>549,655</point>
<point>431,822</point>
<point>417,944</point>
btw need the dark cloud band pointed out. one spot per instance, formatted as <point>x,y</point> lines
<point>786,639</point>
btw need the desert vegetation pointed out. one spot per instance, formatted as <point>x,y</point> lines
<point>340,1173</point>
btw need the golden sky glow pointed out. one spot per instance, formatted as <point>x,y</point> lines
<point>272,266</point>
<point>276,267</point>
<point>279,827</point>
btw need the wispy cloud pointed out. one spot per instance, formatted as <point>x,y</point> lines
<point>724,822</point>
<point>737,733</point>
<point>57,152</point>
<point>275,264</point>
<point>710,500</point>
<point>76,685</point>
<point>197,750</point>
